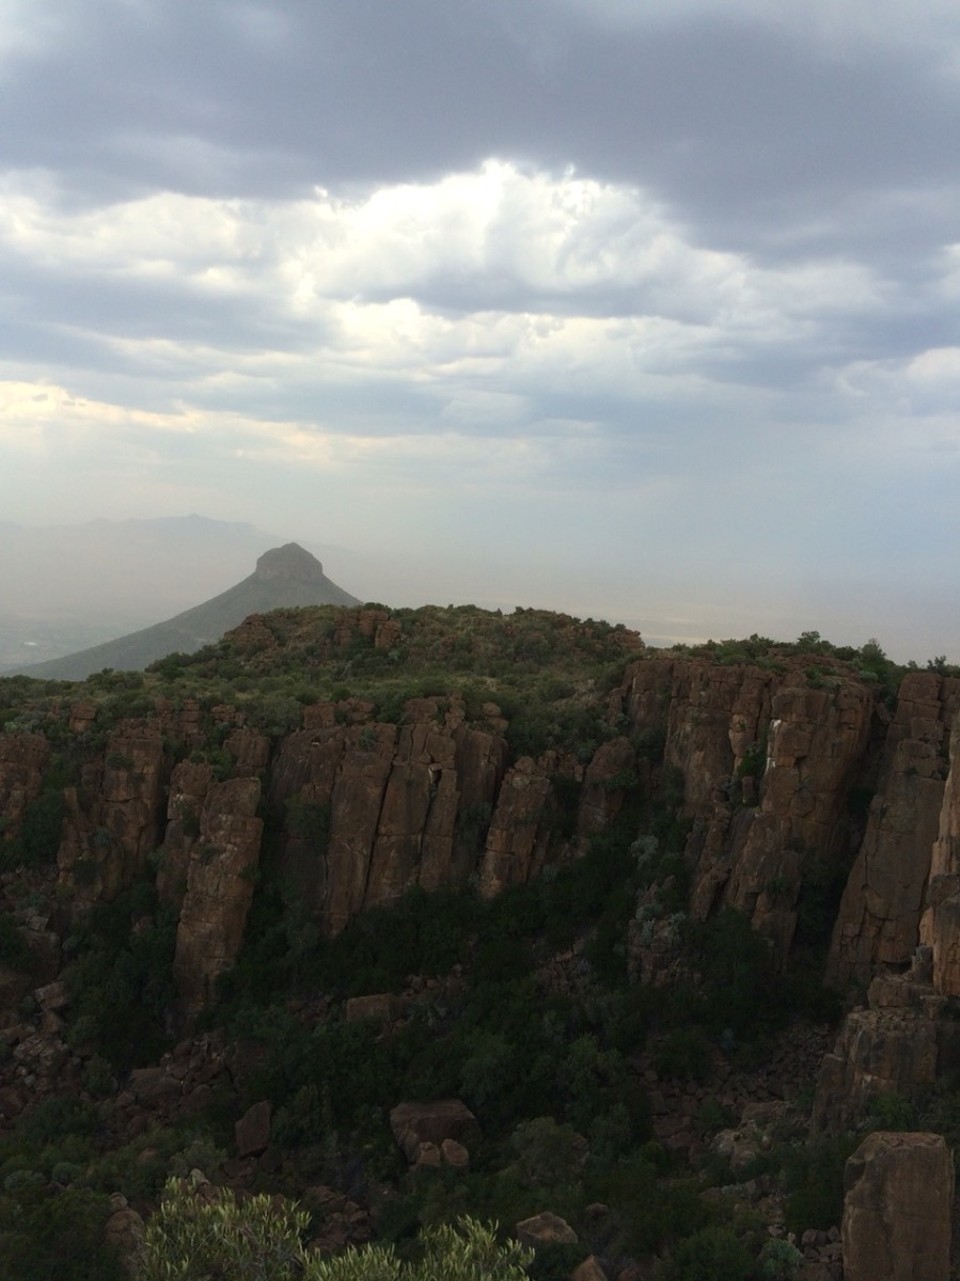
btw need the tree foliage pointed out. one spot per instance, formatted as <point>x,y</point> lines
<point>200,1231</point>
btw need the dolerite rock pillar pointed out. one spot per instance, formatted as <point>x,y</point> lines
<point>221,872</point>
<point>897,1209</point>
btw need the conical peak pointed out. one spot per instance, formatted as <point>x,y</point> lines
<point>289,561</point>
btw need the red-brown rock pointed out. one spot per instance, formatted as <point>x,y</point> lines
<point>252,1131</point>
<point>414,1124</point>
<point>220,880</point>
<point>897,1209</point>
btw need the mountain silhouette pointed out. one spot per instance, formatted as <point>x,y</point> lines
<point>285,576</point>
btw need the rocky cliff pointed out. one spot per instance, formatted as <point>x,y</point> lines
<point>318,765</point>
<point>362,808</point>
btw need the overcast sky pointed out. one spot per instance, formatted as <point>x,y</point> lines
<point>639,308</point>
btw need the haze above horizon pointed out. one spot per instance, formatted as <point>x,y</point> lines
<point>645,312</point>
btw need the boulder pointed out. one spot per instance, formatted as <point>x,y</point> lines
<point>545,1229</point>
<point>897,1209</point>
<point>414,1124</point>
<point>124,1232</point>
<point>454,1154</point>
<point>252,1131</point>
<point>381,1007</point>
<point>589,1270</point>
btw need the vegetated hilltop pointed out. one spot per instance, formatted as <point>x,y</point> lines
<point>268,905</point>
<point>284,576</point>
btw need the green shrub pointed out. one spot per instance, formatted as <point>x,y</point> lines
<point>121,979</point>
<point>546,1154</point>
<point>40,829</point>
<point>779,1261</point>
<point>892,1111</point>
<point>195,1235</point>
<point>740,988</point>
<point>814,1178</point>
<point>683,1055</point>
<point>57,1236</point>
<point>654,1211</point>
<point>712,1254</point>
<point>13,946</point>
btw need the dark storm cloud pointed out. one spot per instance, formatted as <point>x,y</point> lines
<point>750,133</point>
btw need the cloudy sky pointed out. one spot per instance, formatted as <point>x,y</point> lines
<point>639,308</point>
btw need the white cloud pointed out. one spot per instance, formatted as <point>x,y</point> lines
<point>435,280</point>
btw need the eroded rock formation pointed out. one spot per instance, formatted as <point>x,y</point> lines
<point>23,757</point>
<point>901,905</point>
<point>897,1209</point>
<point>220,878</point>
<point>879,916</point>
<point>767,764</point>
<point>114,819</point>
<point>765,756</point>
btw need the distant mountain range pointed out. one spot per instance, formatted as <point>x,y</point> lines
<point>284,576</point>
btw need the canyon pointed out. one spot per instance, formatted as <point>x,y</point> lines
<point>819,804</point>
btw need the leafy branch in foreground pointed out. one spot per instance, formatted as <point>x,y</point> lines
<point>202,1231</point>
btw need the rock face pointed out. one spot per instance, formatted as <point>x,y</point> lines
<point>291,562</point>
<point>940,926</point>
<point>885,1051</point>
<point>366,806</point>
<point>767,764</point>
<point>897,1209</point>
<point>220,876</point>
<point>879,916</point>
<point>252,1131</point>
<point>114,818</point>
<point>903,892</point>
<point>22,760</point>
<point>517,841</point>
<point>375,809</point>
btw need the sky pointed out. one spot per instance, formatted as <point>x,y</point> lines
<point>641,309</point>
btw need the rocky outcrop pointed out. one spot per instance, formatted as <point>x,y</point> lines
<point>767,762</point>
<point>113,821</point>
<point>904,890</point>
<point>903,1041</point>
<point>545,1228</point>
<point>220,877</point>
<point>897,1209</point>
<point>878,1052</point>
<point>189,785</point>
<point>124,1232</point>
<point>518,839</point>
<point>417,1126</point>
<point>252,1131</point>
<point>763,757</point>
<point>374,809</point>
<point>23,757</point>
<point>879,918</point>
<point>940,926</point>
<point>606,779</point>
